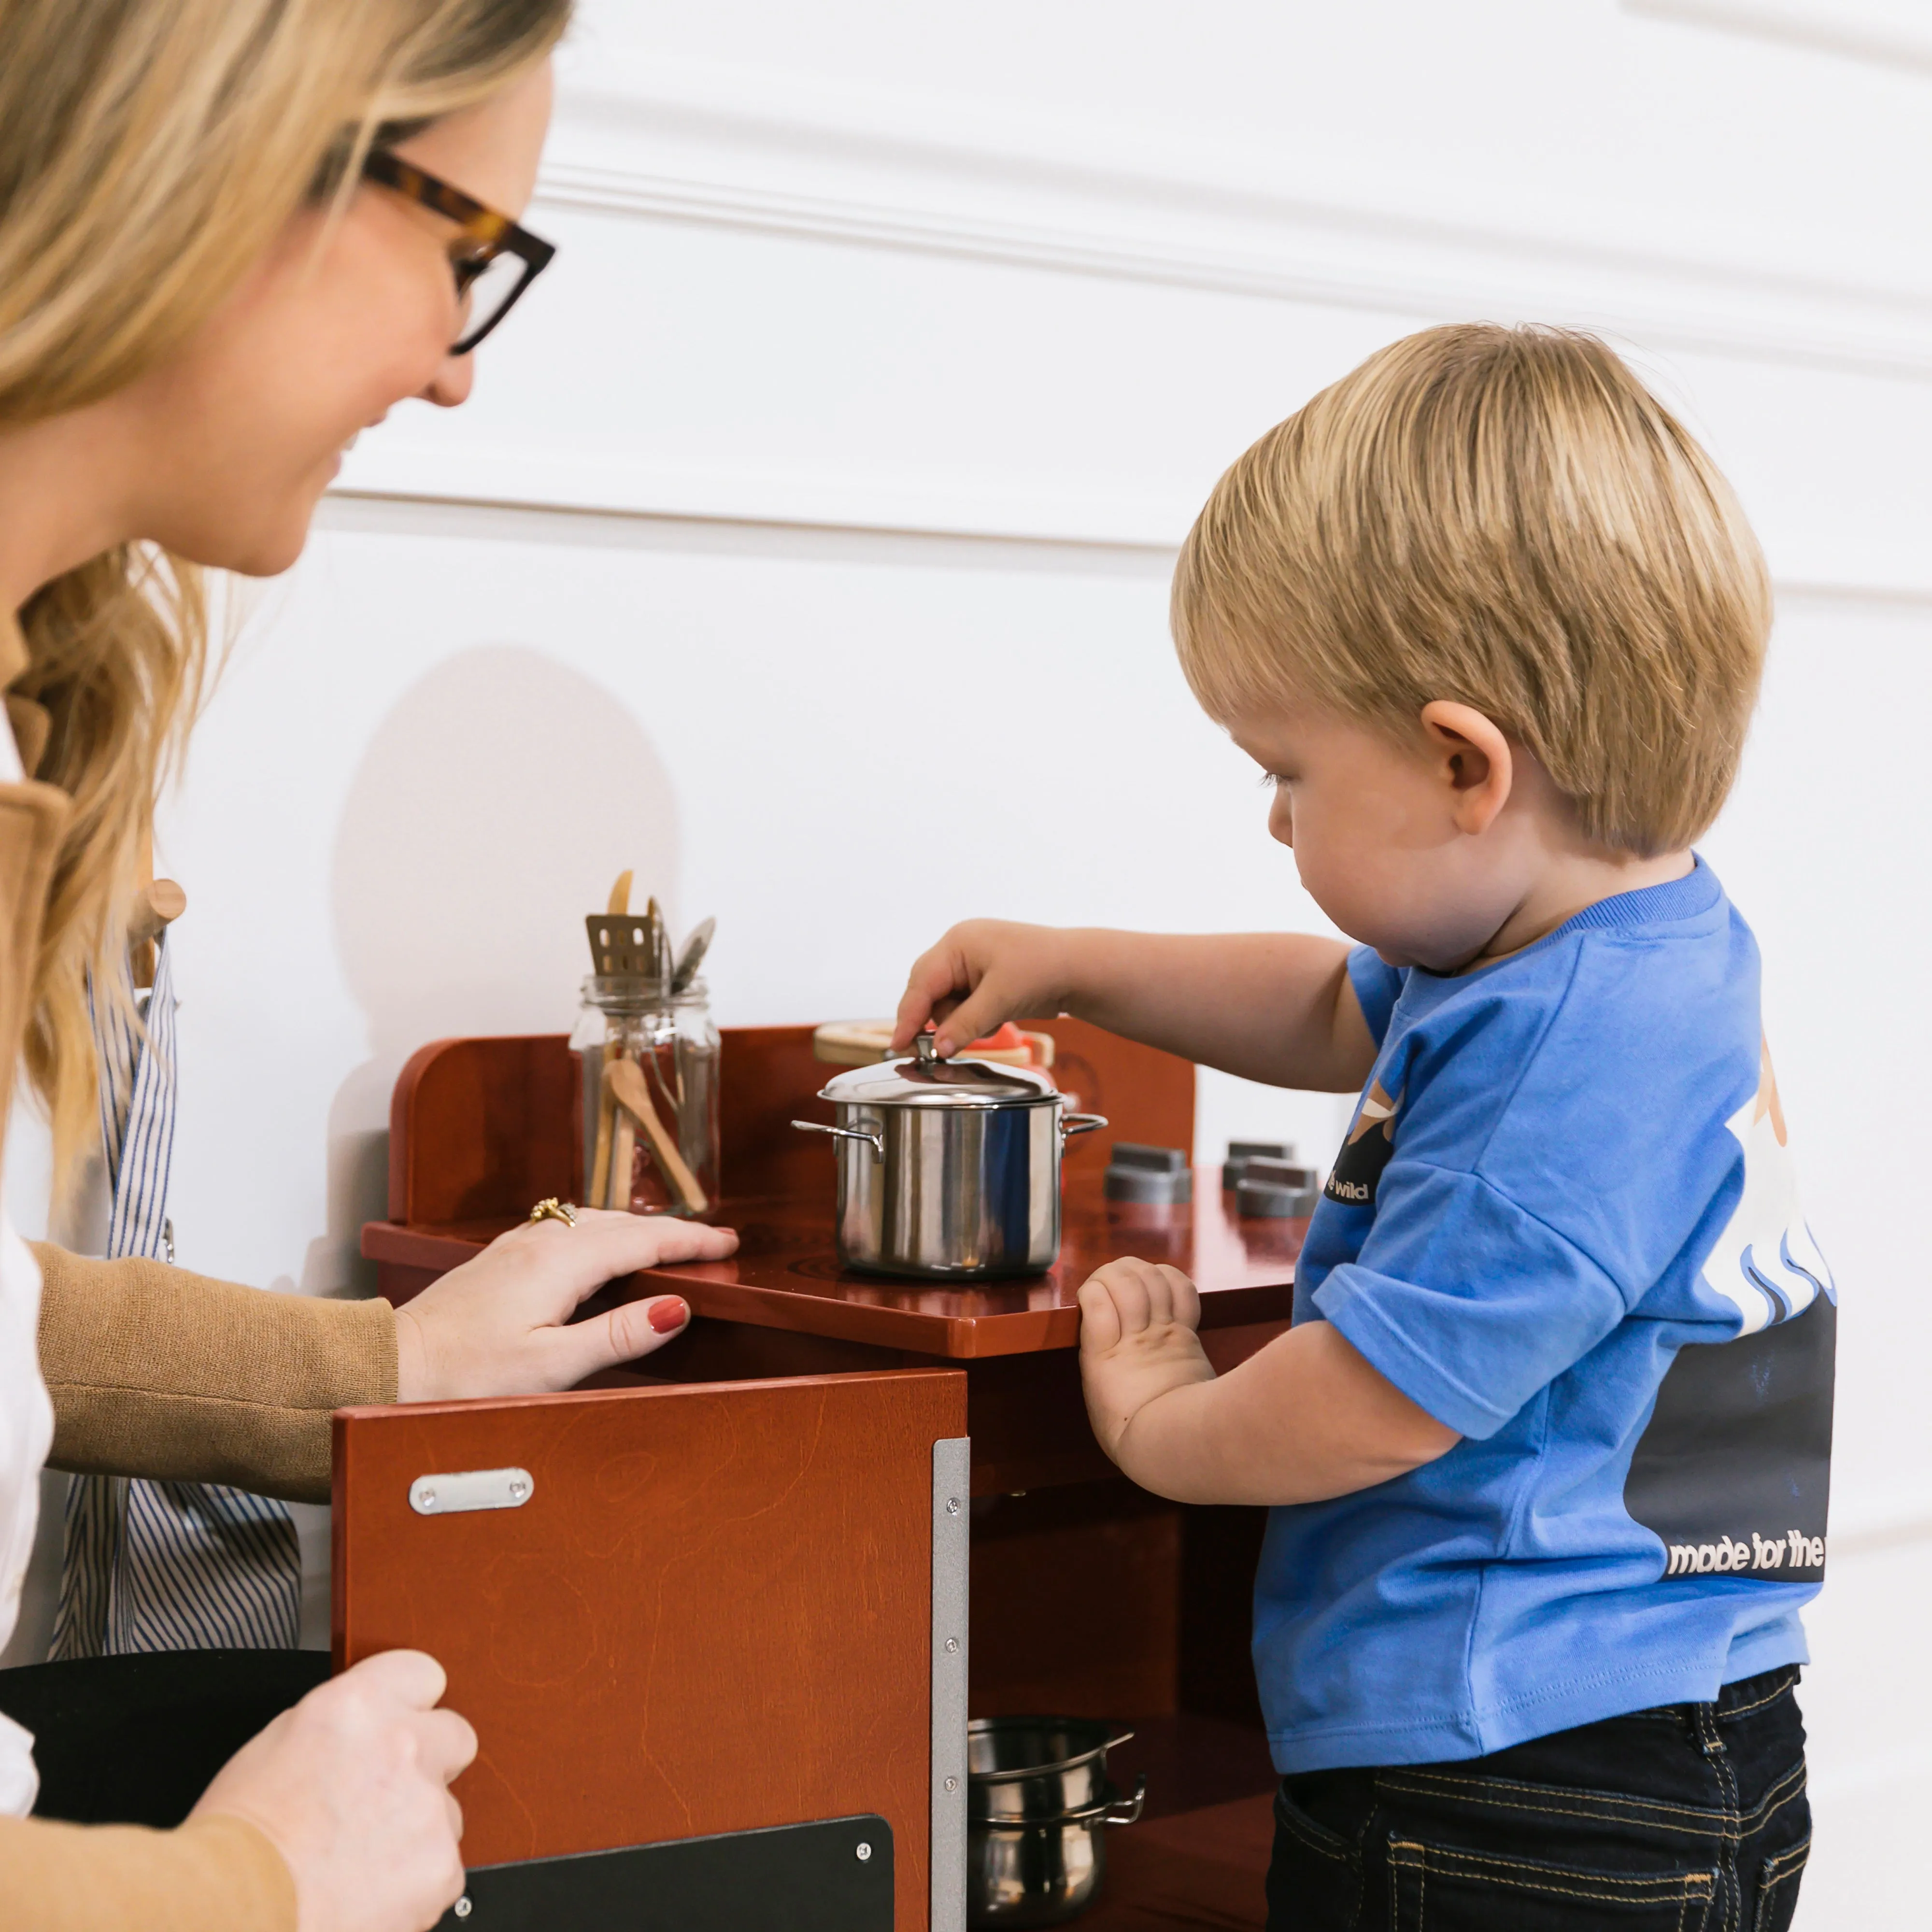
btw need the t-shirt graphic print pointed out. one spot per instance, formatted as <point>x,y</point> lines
<point>1733,1470</point>
<point>1566,1223</point>
<point>1366,1152</point>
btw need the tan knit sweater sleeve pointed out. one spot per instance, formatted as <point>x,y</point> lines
<point>155,1372</point>
<point>213,1874</point>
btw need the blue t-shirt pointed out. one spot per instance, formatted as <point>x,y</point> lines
<point>1565,1223</point>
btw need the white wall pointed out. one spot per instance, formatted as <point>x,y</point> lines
<point>805,547</point>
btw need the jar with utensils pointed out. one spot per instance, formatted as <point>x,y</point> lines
<point>649,1051</point>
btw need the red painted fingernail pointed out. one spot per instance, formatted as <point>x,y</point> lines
<point>669,1314</point>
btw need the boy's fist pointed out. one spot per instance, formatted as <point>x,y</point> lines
<point>1137,1342</point>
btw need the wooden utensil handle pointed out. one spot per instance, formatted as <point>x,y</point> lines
<point>680,1176</point>
<point>623,1149</point>
<point>627,1081</point>
<point>599,1177</point>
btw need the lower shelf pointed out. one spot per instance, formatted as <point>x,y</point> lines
<point>1198,1859</point>
<point>1192,1763</point>
<point>1204,1871</point>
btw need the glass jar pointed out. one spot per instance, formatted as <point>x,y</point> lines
<point>671,1040</point>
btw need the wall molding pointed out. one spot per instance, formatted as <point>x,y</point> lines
<point>1080,530</point>
<point>736,148</point>
<point>904,502</point>
<point>1816,28</point>
<point>739,147</point>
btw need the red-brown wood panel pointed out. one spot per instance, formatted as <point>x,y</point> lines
<point>480,1128</point>
<point>1076,1603</point>
<point>713,1614</point>
<point>768,1078</point>
<point>1147,1096</point>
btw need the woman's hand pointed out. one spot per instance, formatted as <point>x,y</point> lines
<point>352,1787</point>
<point>500,1324</point>
<point>982,974</point>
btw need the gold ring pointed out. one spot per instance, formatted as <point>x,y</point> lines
<point>549,1208</point>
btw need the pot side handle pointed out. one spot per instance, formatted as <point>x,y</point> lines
<point>876,1142</point>
<point>1127,1811</point>
<point>1070,1124</point>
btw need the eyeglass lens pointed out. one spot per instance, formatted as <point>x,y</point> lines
<point>484,292</point>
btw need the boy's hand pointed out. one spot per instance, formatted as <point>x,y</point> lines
<point>982,974</point>
<point>1137,1342</point>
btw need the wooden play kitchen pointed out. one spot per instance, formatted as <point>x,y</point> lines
<point>721,1626</point>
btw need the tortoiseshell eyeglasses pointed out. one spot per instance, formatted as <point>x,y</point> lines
<point>494,261</point>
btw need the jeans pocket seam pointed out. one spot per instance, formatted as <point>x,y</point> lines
<point>1662,1888</point>
<point>1783,1865</point>
<point>1605,1808</point>
<point>1792,1786</point>
<point>1779,1867</point>
<point>1784,1689</point>
<point>1314,1837</point>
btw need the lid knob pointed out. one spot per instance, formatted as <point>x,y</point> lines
<point>926,1048</point>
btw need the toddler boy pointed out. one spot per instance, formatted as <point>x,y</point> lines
<point>1548,1444</point>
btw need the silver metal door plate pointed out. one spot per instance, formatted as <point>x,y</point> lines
<point>457,1489</point>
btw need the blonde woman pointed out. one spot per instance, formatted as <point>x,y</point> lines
<point>233,233</point>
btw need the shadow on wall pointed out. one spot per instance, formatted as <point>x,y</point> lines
<point>490,812</point>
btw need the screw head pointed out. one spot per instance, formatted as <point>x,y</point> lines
<point>426,1498</point>
<point>865,1852</point>
<point>951,1645</point>
<point>518,1491</point>
<point>952,1505</point>
<point>952,1784</point>
<point>463,1908</point>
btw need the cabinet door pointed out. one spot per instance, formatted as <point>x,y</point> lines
<point>685,1611</point>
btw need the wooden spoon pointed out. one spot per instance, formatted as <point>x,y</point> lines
<point>623,1166</point>
<point>626,1082</point>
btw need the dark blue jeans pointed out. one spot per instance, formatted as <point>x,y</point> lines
<point>1690,1818</point>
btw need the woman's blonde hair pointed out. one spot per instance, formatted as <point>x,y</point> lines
<point>1507,518</point>
<point>151,150</point>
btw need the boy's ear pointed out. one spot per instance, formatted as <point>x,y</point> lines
<point>1472,758</point>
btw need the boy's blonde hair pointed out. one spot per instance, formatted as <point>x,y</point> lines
<point>1507,518</point>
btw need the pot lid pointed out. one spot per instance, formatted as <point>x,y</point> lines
<point>925,1080</point>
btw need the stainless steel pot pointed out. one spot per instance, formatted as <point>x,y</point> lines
<point>949,1170</point>
<point>1038,1808</point>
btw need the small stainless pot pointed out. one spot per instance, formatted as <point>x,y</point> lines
<point>949,1170</point>
<point>1038,1808</point>
<point>1036,1767</point>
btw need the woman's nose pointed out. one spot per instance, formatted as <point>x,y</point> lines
<point>449,387</point>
